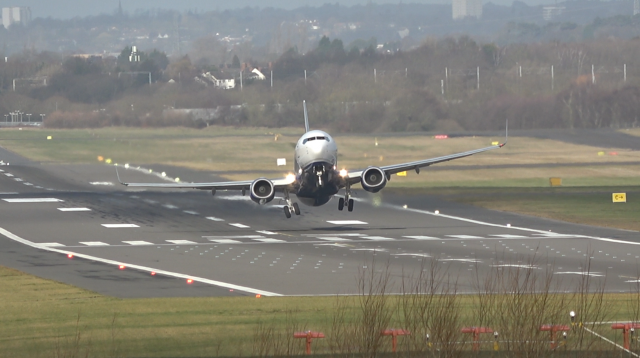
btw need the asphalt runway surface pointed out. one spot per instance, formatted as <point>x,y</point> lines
<point>228,245</point>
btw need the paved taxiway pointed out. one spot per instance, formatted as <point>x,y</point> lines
<point>230,246</point>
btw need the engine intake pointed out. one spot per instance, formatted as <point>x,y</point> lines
<point>262,191</point>
<point>373,179</point>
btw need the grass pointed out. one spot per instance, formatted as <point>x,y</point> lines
<point>43,318</point>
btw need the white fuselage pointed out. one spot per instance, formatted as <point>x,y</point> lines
<point>315,165</point>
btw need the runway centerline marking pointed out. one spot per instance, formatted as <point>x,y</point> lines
<point>225,241</point>
<point>270,241</point>
<point>214,218</point>
<point>318,235</point>
<point>267,232</point>
<point>17,238</point>
<point>181,242</point>
<point>74,209</point>
<point>138,243</point>
<point>191,212</point>
<point>376,238</point>
<point>332,238</point>
<point>8,174</point>
<point>422,237</point>
<point>465,236</point>
<point>34,200</point>
<point>241,226</point>
<point>511,236</point>
<point>347,222</point>
<point>119,226</point>
<point>94,243</point>
<point>234,237</point>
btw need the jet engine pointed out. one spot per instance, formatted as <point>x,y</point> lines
<point>373,179</point>
<point>262,191</point>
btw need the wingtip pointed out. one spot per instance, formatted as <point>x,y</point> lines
<point>118,175</point>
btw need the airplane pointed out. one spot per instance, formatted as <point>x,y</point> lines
<point>316,179</point>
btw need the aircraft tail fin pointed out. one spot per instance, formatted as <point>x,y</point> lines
<point>306,116</point>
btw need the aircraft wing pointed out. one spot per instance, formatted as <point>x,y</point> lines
<point>279,184</point>
<point>355,176</point>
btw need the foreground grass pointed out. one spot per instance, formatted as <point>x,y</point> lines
<point>42,318</point>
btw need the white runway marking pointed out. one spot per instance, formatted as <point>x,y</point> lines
<point>225,241</point>
<point>17,238</point>
<point>242,226</point>
<point>74,209</point>
<point>119,226</point>
<point>592,274</point>
<point>138,243</point>
<point>318,235</point>
<point>106,183</point>
<point>214,218</point>
<point>267,232</point>
<point>190,212</point>
<point>235,237</point>
<point>17,179</point>
<point>27,184</point>
<point>347,222</point>
<point>8,174</point>
<point>409,254</point>
<point>331,238</point>
<point>181,242</point>
<point>422,237</point>
<point>11,193</point>
<point>169,206</point>
<point>377,238</point>
<point>51,244</point>
<point>510,236</point>
<point>269,241</point>
<point>34,200</point>
<point>465,236</point>
<point>94,243</point>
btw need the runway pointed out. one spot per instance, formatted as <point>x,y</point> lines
<point>229,245</point>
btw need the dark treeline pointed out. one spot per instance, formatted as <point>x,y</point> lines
<point>434,87</point>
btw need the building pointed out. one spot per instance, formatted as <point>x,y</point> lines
<point>15,15</point>
<point>550,12</point>
<point>467,8</point>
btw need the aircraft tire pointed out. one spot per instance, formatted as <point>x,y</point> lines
<point>341,204</point>
<point>296,208</point>
<point>350,206</point>
<point>287,212</point>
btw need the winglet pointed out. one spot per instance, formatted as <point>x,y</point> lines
<point>506,134</point>
<point>306,117</point>
<point>118,175</point>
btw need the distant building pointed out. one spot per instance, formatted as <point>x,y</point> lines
<point>15,15</point>
<point>550,12</point>
<point>467,8</point>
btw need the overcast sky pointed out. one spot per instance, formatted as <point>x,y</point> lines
<point>70,8</point>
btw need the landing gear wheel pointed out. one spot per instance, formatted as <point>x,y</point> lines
<point>287,212</point>
<point>350,204</point>
<point>341,204</point>
<point>296,208</point>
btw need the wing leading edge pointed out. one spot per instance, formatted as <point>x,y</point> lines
<point>279,184</point>
<point>355,176</point>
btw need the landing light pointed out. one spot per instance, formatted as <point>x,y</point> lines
<point>189,281</point>
<point>70,256</point>
<point>122,267</point>
<point>437,212</point>
<point>343,173</point>
<point>153,273</point>
<point>291,178</point>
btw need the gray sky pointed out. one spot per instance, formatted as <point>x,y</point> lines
<point>70,8</point>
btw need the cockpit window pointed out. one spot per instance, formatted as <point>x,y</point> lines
<point>314,138</point>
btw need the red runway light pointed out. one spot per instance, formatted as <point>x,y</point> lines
<point>189,281</point>
<point>258,295</point>
<point>122,267</point>
<point>231,290</point>
<point>70,256</point>
<point>153,273</point>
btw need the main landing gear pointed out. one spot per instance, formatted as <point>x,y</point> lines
<point>290,207</point>
<point>346,200</point>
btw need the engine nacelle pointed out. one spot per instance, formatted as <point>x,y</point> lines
<point>262,191</point>
<point>373,179</point>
